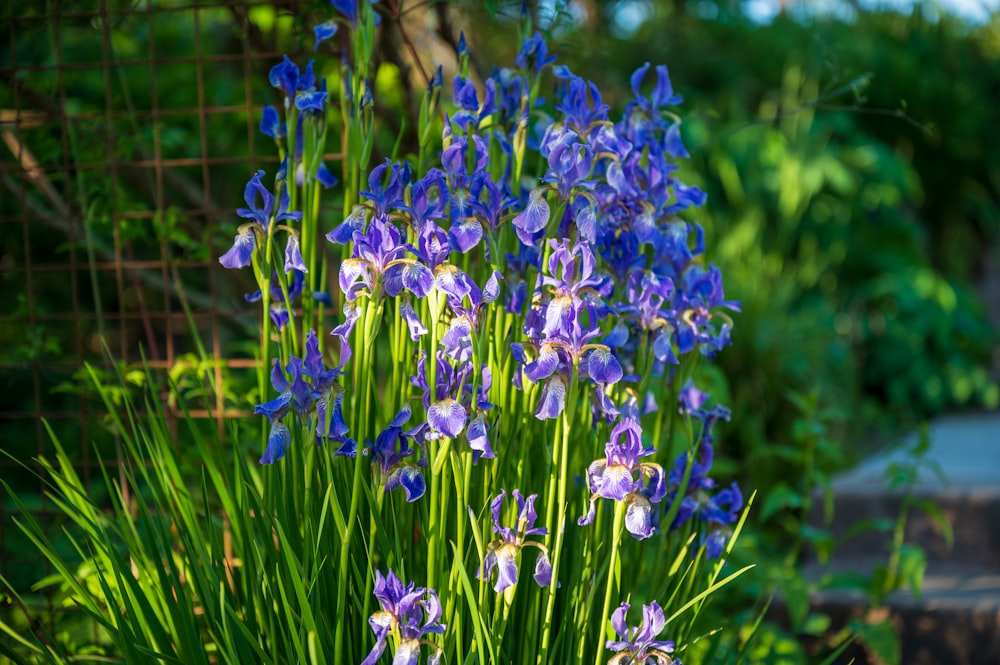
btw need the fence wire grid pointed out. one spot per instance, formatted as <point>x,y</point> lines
<point>129,130</point>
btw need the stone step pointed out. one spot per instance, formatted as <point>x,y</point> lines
<point>956,620</point>
<point>863,522</point>
<point>965,451</point>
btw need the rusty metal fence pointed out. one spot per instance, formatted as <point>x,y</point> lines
<point>129,129</point>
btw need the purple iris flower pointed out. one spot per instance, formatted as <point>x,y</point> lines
<point>466,97</point>
<point>329,416</point>
<point>378,265</point>
<point>429,196</point>
<point>293,255</point>
<point>304,385</point>
<point>490,202</point>
<point>512,89</point>
<point>457,404</point>
<point>465,299</point>
<point>571,278</point>
<point>286,77</point>
<point>563,338</point>
<point>644,120</point>
<point>390,195</point>
<point>240,254</point>
<point>580,102</point>
<point>701,294</point>
<point>620,476</point>
<point>393,446</point>
<point>649,310</point>
<point>638,645</point>
<point>446,415</point>
<point>409,612</point>
<point>262,214</point>
<point>570,160</point>
<point>717,512</point>
<point>466,230</point>
<point>534,54</point>
<point>477,434</point>
<point>503,554</point>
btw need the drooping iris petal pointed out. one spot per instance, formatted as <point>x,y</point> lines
<point>293,255</point>
<point>417,278</point>
<point>447,416</point>
<point>451,280</point>
<point>457,341</point>
<point>543,569</point>
<point>270,123</point>
<point>534,217</point>
<point>466,234</point>
<point>638,517</point>
<point>410,478</point>
<point>276,408</point>
<point>324,176</point>
<point>408,653</point>
<point>672,142</point>
<point>355,275</point>
<point>323,32</point>
<point>478,438</point>
<point>663,350</point>
<point>381,625</point>
<point>343,232</point>
<point>277,443</point>
<point>285,77</point>
<point>413,322</point>
<point>603,366</point>
<point>240,255</point>
<point>616,482</point>
<point>506,561</point>
<point>311,101</point>
<point>589,517</point>
<point>336,428</point>
<point>491,290</point>
<point>544,365</point>
<point>552,400</point>
<point>559,315</point>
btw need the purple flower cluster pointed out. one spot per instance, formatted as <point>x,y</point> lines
<point>638,645</point>
<point>607,284</point>
<point>308,389</point>
<point>719,511</point>
<point>392,449</point>
<point>408,614</point>
<point>504,553</point>
<point>620,476</point>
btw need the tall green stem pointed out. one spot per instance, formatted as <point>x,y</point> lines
<point>611,588</point>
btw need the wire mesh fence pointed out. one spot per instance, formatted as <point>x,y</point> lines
<point>129,129</point>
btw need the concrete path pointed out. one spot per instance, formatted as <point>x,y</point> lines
<point>965,447</point>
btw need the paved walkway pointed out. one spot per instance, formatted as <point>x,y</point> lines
<point>965,447</point>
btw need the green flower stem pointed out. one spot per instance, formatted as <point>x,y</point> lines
<point>560,481</point>
<point>435,485</point>
<point>611,588</point>
<point>362,369</point>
